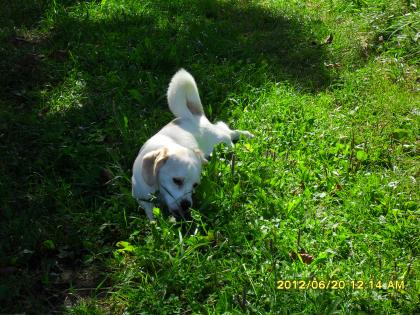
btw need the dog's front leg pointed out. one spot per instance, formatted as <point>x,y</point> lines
<point>148,208</point>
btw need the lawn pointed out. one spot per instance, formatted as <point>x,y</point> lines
<point>318,214</point>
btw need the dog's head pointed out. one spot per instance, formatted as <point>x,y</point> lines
<point>176,173</point>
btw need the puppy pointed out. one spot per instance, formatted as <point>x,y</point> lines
<point>170,162</point>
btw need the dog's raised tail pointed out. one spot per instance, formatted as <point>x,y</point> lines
<point>183,98</point>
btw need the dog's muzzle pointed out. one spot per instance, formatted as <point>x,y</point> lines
<point>183,207</point>
<point>183,212</point>
<point>185,204</point>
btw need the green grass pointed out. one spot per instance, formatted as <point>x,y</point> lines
<point>332,172</point>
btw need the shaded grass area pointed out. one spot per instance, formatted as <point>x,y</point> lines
<point>332,172</point>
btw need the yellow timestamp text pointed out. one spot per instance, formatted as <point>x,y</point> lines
<point>340,284</point>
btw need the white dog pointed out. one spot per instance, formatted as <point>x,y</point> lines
<point>170,162</point>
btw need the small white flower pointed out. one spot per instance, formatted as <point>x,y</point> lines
<point>393,185</point>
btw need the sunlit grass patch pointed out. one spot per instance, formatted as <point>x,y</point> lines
<point>327,190</point>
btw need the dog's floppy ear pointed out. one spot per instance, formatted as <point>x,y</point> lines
<point>201,156</point>
<point>152,162</point>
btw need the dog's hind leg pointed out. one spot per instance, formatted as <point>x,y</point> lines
<point>237,133</point>
<point>233,134</point>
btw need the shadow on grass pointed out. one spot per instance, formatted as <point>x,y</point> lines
<point>78,100</point>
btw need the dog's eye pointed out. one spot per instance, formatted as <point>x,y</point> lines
<point>178,181</point>
<point>195,185</point>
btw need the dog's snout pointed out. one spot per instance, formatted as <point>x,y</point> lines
<point>185,204</point>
